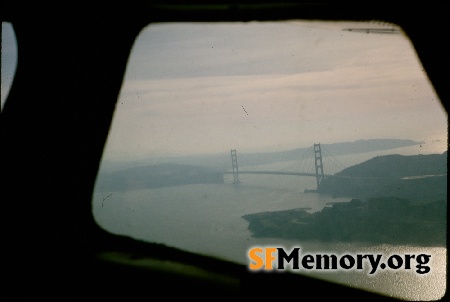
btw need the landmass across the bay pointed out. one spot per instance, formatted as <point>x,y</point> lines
<point>216,161</point>
<point>160,176</point>
<point>393,199</point>
<point>207,169</point>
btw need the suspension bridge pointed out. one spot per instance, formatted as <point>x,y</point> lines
<point>302,167</point>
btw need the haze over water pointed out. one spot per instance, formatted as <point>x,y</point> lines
<point>207,219</point>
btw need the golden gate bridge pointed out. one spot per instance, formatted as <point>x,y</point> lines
<point>304,166</point>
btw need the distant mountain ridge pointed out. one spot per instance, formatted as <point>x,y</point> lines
<point>359,146</point>
<point>217,160</point>
<point>396,165</point>
<point>413,177</point>
<point>159,176</point>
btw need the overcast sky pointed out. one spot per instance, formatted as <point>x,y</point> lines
<point>265,86</point>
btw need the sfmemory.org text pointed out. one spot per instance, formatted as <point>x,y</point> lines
<point>276,258</point>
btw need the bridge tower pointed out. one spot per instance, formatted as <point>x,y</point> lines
<point>318,164</point>
<point>234,164</point>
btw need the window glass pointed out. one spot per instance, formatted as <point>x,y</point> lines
<point>326,136</point>
<point>9,59</point>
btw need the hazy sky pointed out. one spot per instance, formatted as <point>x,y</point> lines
<point>266,86</point>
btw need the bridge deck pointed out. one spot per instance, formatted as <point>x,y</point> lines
<point>278,173</point>
<point>314,174</point>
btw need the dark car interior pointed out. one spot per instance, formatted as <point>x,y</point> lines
<point>54,125</point>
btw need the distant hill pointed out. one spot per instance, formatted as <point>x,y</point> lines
<point>158,176</point>
<point>395,200</point>
<point>219,161</point>
<point>395,165</point>
<point>414,177</point>
<point>359,146</point>
<point>369,145</point>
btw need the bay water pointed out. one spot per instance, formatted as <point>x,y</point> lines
<point>207,219</point>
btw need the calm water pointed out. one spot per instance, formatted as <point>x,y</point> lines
<point>206,219</point>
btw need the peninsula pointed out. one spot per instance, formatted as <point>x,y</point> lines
<point>394,200</point>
